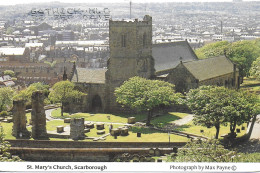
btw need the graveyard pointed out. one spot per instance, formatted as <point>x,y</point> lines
<point>38,134</point>
<point>58,128</point>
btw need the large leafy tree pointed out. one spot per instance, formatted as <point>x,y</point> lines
<point>241,107</point>
<point>255,69</point>
<point>6,98</point>
<point>243,53</point>
<point>26,94</point>
<point>9,72</point>
<point>214,106</point>
<point>206,103</point>
<point>64,91</point>
<point>212,50</point>
<point>145,95</point>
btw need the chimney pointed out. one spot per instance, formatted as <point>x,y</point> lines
<point>181,60</point>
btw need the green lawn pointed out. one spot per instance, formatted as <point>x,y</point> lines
<point>250,81</point>
<point>147,134</point>
<point>209,132</point>
<point>167,118</point>
<point>252,85</point>
<point>7,130</point>
<point>153,137</point>
<point>100,117</point>
<point>90,117</point>
<point>57,114</point>
<point>51,125</point>
<point>120,118</point>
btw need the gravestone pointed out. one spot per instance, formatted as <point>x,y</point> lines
<point>60,129</point>
<point>151,151</point>
<point>77,129</point>
<point>89,125</point>
<point>157,152</point>
<point>115,132</point>
<point>131,120</point>
<point>19,120</point>
<point>124,131</point>
<point>38,117</point>
<point>100,126</point>
<point>67,120</point>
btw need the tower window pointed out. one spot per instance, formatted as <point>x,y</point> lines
<point>144,40</point>
<point>123,40</point>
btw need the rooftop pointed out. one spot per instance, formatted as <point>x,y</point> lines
<point>12,51</point>
<point>167,55</point>
<point>86,75</point>
<point>210,67</point>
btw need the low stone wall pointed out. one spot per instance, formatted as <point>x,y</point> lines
<point>82,144</point>
<point>74,151</point>
<point>76,155</point>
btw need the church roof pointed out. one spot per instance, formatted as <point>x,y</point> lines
<point>167,55</point>
<point>86,75</point>
<point>210,67</point>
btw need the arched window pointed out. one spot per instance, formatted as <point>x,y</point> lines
<point>144,39</point>
<point>123,40</point>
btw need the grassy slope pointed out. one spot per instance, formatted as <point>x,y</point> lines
<point>252,85</point>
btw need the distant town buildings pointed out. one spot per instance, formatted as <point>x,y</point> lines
<point>40,49</point>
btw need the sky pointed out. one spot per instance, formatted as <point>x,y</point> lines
<point>13,2</point>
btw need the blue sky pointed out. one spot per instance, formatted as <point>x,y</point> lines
<point>13,2</point>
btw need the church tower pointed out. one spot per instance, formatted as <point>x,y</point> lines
<point>130,44</point>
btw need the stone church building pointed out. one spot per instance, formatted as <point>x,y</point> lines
<point>133,54</point>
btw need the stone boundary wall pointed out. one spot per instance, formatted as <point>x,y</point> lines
<point>81,144</point>
<point>79,155</point>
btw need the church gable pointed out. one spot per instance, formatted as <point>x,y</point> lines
<point>167,55</point>
<point>182,78</point>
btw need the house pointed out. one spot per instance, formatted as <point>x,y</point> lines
<point>6,81</point>
<point>14,54</point>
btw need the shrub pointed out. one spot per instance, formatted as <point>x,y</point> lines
<point>3,114</point>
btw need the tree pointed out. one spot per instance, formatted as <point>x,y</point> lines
<point>212,50</point>
<point>64,91</point>
<point>214,106</point>
<point>6,98</point>
<point>255,69</point>
<point>9,30</point>
<point>210,151</point>
<point>145,95</point>
<point>241,107</point>
<point>243,53</point>
<point>26,94</point>
<point>9,72</point>
<point>5,156</point>
<point>51,64</point>
<point>206,103</point>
